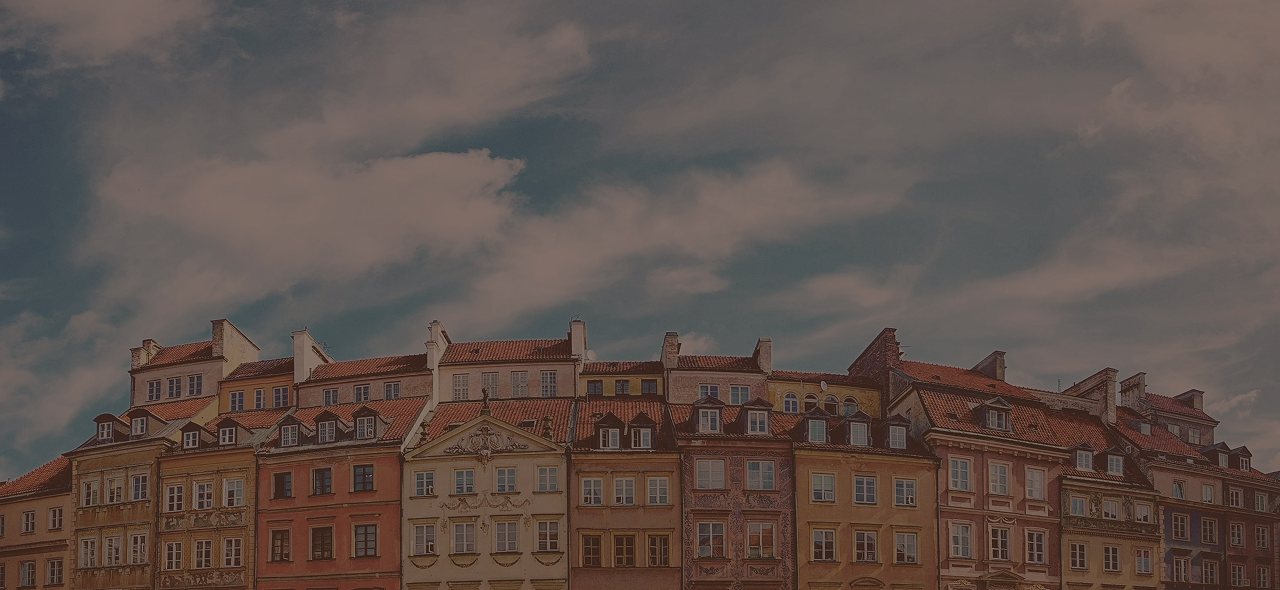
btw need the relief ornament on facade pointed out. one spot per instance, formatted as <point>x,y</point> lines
<point>484,443</point>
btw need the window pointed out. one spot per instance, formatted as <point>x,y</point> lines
<point>708,420</point>
<point>488,384</point>
<point>1262,537</point>
<point>858,434</point>
<point>115,490</point>
<point>1260,501</point>
<point>326,431</point>
<point>1244,464</point>
<point>1142,561</point>
<point>1193,436</point>
<point>659,551</point>
<point>237,401</point>
<point>1180,568</point>
<point>195,385</point>
<point>227,436</point>
<point>904,492</point>
<point>830,405</point>
<point>519,384</point>
<point>88,553</point>
<point>760,540</point>
<point>905,548</point>
<point>1000,479</point>
<point>322,543</point>
<point>1000,544</point>
<point>289,435</point>
<point>90,495</point>
<point>592,491</point>
<point>1206,493</point>
<point>1084,460</point>
<point>548,479</point>
<point>624,491</point>
<point>259,399</point>
<point>204,493</point>
<point>757,422</point>
<point>330,397</point>
<point>111,551</point>
<point>1180,490</point>
<point>153,390</point>
<point>595,387</point>
<point>591,551</point>
<point>738,394</point>
<point>461,387</point>
<point>280,545</point>
<point>897,437</point>
<point>622,387</point>
<point>658,491</point>
<point>961,537</point>
<point>424,483</point>
<point>29,521</point>
<point>392,390</point>
<point>760,475</point>
<point>140,487</point>
<point>548,384</point>
<point>998,419</point>
<point>711,539</point>
<point>233,552</point>
<point>817,431</point>
<point>960,474</point>
<point>365,427</point>
<point>710,474</point>
<point>609,438</point>
<point>322,481</point>
<point>53,575</point>
<point>27,573</point>
<point>175,386</point>
<point>1035,484</point>
<point>280,396</point>
<point>864,489</point>
<point>139,427</point>
<point>105,432</point>
<point>1237,534</point>
<point>1035,546</point>
<point>173,498</point>
<point>464,537</point>
<point>1180,528</point>
<point>508,535</point>
<point>190,440</point>
<point>1210,569</point>
<point>1110,510</point>
<point>548,535</point>
<point>1142,512</point>
<point>1110,558</point>
<point>1079,556</point>
<point>1264,576</point>
<point>173,556</point>
<point>464,481</point>
<point>824,545</point>
<point>137,549</point>
<point>1223,460</point>
<point>824,487</point>
<point>360,393</point>
<point>1235,498</point>
<point>362,478</point>
<point>1115,465</point>
<point>705,391</point>
<point>55,518</point>
<point>1208,531</point>
<point>648,387</point>
<point>624,551</point>
<point>864,546</point>
<point>641,438</point>
<point>791,403</point>
<point>850,406</point>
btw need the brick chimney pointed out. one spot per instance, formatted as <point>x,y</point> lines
<point>992,366</point>
<point>143,354</point>
<point>670,350</point>
<point>1133,389</point>
<point>764,355</point>
<point>1100,387</point>
<point>1194,396</point>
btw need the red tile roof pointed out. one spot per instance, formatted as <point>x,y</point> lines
<point>952,411</point>
<point>1176,406</point>
<point>622,368</point>
<point>1076,427</point>
<point>625,408</point>
<point>511,411</point>
<point>962,378</point>
<point>833,378</point>
<point>717,363</point>
<point>282,366</point>
<point>507,351</point>
<point>170,411</point>
<point>415,363</point>
<point>253,419</point>
<point>401,412</point>
<point>1160,440</point>
<point>54,476</point>
<point>182,353</point>
<point>780,424</point>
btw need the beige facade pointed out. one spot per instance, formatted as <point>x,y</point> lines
<point>34,527</point>
<point>161,374</point>
<point>1119,551</point>
<point>312,393</point>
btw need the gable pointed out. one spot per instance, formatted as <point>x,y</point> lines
<point>483,438</point>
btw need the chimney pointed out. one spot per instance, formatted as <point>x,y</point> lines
<point>219,338</point>
<point>143,355</point>
<point>578,339</point>
<point>670,350</point>
<point>992,366</point>
<point>438,341</point>
<point>307,355</point>
<point>1194,396</point>
<point>1133,389</point>
<point>1100,386</point>
<point>764,355</point>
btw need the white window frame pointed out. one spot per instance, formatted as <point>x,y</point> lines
<point>998,482</point>
<point>823,486</point>
<point>757,422</point>
<point>659,491</point>
<point>592,491</point>
<point>641,438</point>
<point>710,474</point>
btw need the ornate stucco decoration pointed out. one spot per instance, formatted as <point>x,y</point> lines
<point>484,443</point>
<point>423,562</point>
<point>960,585</point>
<point>505,559</point>
<point>203,520</point>
<point>213,578</point>
<point>506,504</point>
<point>548,558</point>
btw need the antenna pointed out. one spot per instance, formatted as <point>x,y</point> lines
<point>591,355</point>
<point>823,385</point>
<point>575,317</point>
<point>1059,386</point>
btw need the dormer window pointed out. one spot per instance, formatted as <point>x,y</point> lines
<point>1084,460</point>
<point>104,431</point>
<point>190,440</point>
<point>641,438</point>
<point>364,427</point>
<point>897,437</point>
<point>1223,460</point>
<point>1115,465</point>
<point>708,420</point>
<point>608,438</point>
<point>757,422</point>
<point>1244,464</point>
<point>858,434</point>
<point>1174,430</point>
<point>326,431</point>
<point>139,426</point>
<point>998,419</point>
<point>1193,436</point>
<point>817,431</point>
<point>227,436</point>
<point>289,435</point>
<point>1144,428</point>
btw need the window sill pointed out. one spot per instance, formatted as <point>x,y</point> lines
<point>282,498</point>
<point>723,559</point>
<point>279,561</point>
<point>511,493</point>
<point>549,492</point>
<point>826,561</point>
<point>362,491</point>
<point>469,554</point>
<point>320,559</point>
<point>463,494</point>
<point>908,564</point>
<point>751,491</point>
<point>423,497</point>
<point>365,556</point>
<point>320,494</point>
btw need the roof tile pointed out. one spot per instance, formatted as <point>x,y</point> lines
<point>962,378</point>
<point>1076,427</point>
<point>170,411</point>
<point>780,424</point>
<point>266,368</point>
<point>506,351</point>
<point>952,411</point>
<point>401,412</point>
<point>54,476</point>
<point>253,419</point>
<point>622,368</point>
<point>414,363</point>
<point>512,411</point>
<point>182,353</point>
<point>625,408</point>
<point>1176,406</point>
<point>717,363</point>
<point>1160,440</point>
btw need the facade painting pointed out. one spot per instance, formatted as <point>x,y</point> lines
<point>35,511</point>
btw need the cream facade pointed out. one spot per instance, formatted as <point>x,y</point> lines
<point>161,374</point>
<point>34,530</point>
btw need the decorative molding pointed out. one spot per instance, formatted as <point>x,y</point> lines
<point>505,559</point>
<point>506,504</point>
<point>464,559</point>
<point>714,570</point>
<point>548,558</point>
<point>484,442</point>
<point>203,520</point>
<point>423,562</point>
<point>211,578</point>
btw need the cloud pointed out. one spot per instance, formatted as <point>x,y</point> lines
<point>92,32</point>
<point>697,343</point>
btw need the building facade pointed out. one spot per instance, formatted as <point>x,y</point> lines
<point>508,369</point>
<point>34,527</point>
<point>161,374</point>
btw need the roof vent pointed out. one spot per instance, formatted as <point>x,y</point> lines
<point>597,416</point>
<point>1034,426</point>
<point>991,385</point>
<point>475,350</point>
<point>452,426</point>
<point>528,423</point>
<point>953,416</point>
<point>1144,428</point>
<point>937,377</point>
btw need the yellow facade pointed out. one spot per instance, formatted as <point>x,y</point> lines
<point>623,383</point>
<point>1086,566</point>
<point>214,529</point>
<point>868,400</point>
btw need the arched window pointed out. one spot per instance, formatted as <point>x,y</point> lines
<point>831,405</point>
<point>850,406</point>
<point>810,402</point>
<point>790,403</point>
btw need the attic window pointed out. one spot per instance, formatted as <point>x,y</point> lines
<point>289,435</point>
<point>475,350</point>
<point>1223,460</point>
<point>326,432</point>
<point>527,423</point>
<point>1033,426</point>
<point>139,426</point>
<point>1115,465</point>
<point>937,377</point>
<point>817,431</point>
<point>641,438</point>
<point>991,385</point>
<point>190,440</point>
<point>1144,428</point>
<point>1244,464</point>
<point>708,420</point>
<point>1084,460</point>
<point>858,434</point>
<point>997,419</point>
<point>104,431</point>
<point>227,436</point>
<point>609,438</point>
<point>953,416</point>
<point>897,437</point>
<point>364,427</point>
<point>757,422</point>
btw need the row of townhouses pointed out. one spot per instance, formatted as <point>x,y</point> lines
<point>522,465</point>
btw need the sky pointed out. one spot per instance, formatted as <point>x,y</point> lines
<point>1082,184</point>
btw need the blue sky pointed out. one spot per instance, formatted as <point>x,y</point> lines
<point>1082,184</point>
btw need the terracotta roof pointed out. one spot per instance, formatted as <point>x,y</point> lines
<point>962,378</point>
<point>401,412</point>
<point>717,363</point>
<point>182,353</point>
<point>834,378</point>
<point>1074,427</point>
<point>780,424</point>
<point>1160,440</point>
<point>414,363</point>
<point>1176,406</point>
<point>625,408</point>
<point>512,411</point>
<point>622,368</point>
<point>170,411</point>
<point>952,411</point>
<point>506,351</point>
<point>54,476</point>
<point>253,419</point>
<point>282,366</point>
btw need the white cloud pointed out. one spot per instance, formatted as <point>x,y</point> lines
<point>698,343</point>
<point>92,32</point>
